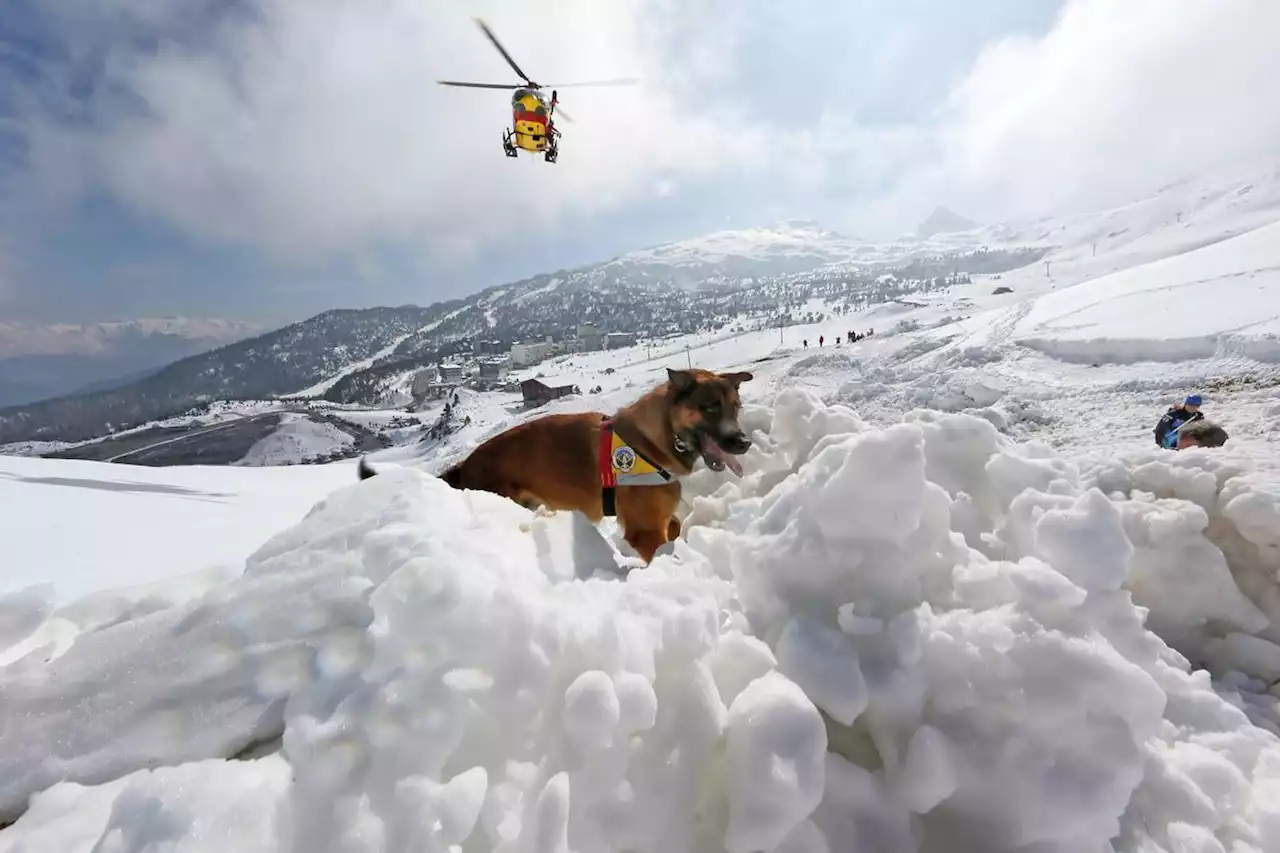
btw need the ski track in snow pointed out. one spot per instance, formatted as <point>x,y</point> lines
<point>959,602</point>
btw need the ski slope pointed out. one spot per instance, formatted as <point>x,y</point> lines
<point>1153,313</point>
<point>959,602</point>
<point>83,527</point>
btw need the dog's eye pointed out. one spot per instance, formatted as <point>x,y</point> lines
<point>710,408</point>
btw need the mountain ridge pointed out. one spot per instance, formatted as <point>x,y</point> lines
<point>360,356</point>
<point>42,361</point>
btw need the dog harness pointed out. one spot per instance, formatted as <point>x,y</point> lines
<point>623,465</point>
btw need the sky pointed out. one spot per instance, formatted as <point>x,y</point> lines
<point>269,159</point>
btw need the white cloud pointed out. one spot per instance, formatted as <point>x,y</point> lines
<point>317,124</point>
<point>1116,100</point>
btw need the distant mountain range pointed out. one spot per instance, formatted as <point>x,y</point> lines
<point>42,361</point>
<point>369,356</point>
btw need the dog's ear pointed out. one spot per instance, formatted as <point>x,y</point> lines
<point>681,380</point>
<point>736,379</point>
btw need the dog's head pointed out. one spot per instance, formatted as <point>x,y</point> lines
<point>704,416</point>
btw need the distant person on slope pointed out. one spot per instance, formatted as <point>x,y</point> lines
<point>1169,425</point>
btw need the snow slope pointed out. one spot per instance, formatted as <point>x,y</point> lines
<point>1152,312</point>
<point>298,439</point>
<point>83,527</point>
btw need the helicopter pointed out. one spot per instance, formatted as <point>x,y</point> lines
<point>532,126</point>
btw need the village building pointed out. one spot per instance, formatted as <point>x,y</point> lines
<point>529,354</point>
<point>538,392</point>
<point>618,340</point>
<point>590,339</point>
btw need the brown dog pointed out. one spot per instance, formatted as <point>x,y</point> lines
<point>627,465</point>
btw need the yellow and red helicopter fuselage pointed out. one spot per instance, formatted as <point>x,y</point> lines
<point>532,128</point>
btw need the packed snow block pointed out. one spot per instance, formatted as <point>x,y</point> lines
<point>1245,653</point>
<point>1181,576</point>
<point>454,807</point>
<point>823,662</point>
<point>182,684</point>
<point>1010,703</point>
<point>1264,800</point>
<point>1206,553</point>
<point>1086,542</point>
<point>738,660</point>
<point>859,812</point>
<point>1014,689</point>
<point>21,613</point>
<point>590,706</point>
<point>777,748</point>
<point>185,807</point>
<point>591,710</point>
<point>858,522</point>
<point>1254,508</point>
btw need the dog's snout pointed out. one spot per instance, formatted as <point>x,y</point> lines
<point>737,443</point>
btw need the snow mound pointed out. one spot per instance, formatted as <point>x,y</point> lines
<point>298,439</point>
<point>916,638</point>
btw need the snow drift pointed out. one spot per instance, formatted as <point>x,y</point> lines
<point>917,638</point>
<point>1159,311</point>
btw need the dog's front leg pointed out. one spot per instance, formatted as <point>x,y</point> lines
<point>646,542</point>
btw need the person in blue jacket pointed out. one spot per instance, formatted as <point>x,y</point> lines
<point>1167,428</point>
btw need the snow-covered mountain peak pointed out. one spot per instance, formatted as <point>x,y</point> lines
<point>944,221</point>
<point>782,247</point>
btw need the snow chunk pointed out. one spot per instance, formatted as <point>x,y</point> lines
<point>928,773</point>
<point>591,709</point>
<point>1086,542</point>
<point>776,746</point>
<point>824,663</point>
<point>201,807</point>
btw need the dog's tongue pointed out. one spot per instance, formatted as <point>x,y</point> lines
<point>730,461</point>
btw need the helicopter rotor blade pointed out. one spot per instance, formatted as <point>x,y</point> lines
<point>494,39</point>
<point>560,113</point>
<point>620,81</point>
<point>480,85</point>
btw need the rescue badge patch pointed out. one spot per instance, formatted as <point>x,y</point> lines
<point>624,458</point>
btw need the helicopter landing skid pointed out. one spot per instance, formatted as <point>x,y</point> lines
<point>508,147</point>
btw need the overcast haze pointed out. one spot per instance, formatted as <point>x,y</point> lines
<point>273,158</point>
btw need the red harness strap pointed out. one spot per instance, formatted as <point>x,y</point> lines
<point>608,480</point>
<point>607,477</point>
